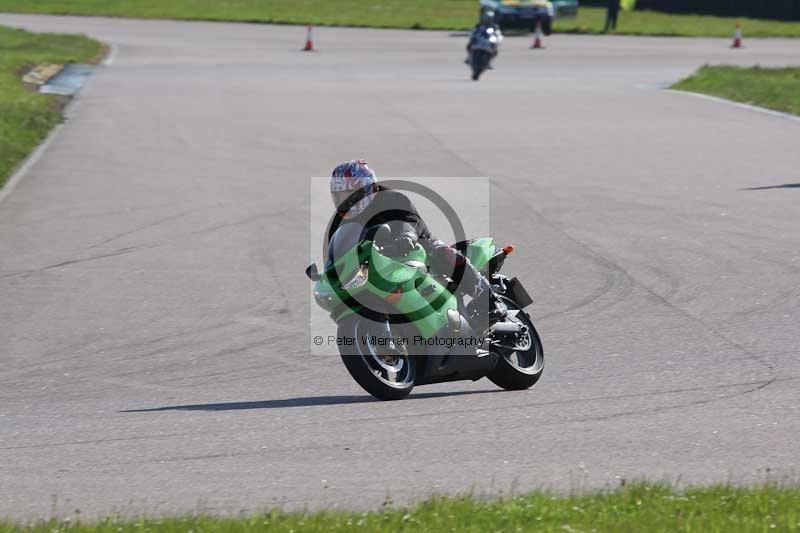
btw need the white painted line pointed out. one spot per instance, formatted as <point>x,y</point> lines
<point>749,107</point>
<point>741,105</point>
<point>648,86</point>
<point>27,163</point>
<point>112,55</point>
<point>22,170</point>
<point>37,153</point>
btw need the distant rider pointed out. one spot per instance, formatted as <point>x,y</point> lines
<point>486,23</point>
<point>359,199</point>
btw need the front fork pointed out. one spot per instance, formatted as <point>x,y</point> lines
<point>392,345</point>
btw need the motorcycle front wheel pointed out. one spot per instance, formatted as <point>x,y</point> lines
<point>381,366</point>
<point>519,369</point>
<point>479,60</point>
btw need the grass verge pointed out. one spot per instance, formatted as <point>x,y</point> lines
<point>774,88</point>
<point>591,20</point>
<point>634,508</point>
<point>25,116</point>
<point>423,14</point>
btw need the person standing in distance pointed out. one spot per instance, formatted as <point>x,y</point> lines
<point>612,12</point>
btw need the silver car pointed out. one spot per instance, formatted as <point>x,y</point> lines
<point>525,14</point>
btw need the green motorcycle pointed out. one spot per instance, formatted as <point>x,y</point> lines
<point>402,324</point>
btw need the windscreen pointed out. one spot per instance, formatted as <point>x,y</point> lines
<point>343,240</point>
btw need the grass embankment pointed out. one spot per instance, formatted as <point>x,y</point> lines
<point>636,508</point>
<point>427,14</point>
<point>25,116</point>
<point>775,88</point>
<point>591,20</point>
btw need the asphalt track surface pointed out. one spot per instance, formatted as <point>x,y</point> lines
<point>154,321</point>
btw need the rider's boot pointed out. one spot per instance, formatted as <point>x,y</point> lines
<point>490,304</point>
<point>485,308</point>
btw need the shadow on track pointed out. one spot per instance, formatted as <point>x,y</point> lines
<point>308,401</point>
<point>784,186</point>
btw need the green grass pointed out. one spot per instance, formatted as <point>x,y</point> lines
<point>427,14</point>
<point>635,508</point>
<point>26,117</point>
<point>775,88</point>
<point>591,20</point>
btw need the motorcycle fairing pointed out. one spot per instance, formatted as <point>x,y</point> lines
<point>403,289</point>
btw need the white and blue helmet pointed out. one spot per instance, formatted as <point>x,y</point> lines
<point>353,187</point>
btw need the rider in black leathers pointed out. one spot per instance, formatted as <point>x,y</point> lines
<point>359,199</point>
<point>487,21</point>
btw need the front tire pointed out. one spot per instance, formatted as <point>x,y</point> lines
<point>385,371</point>
<point>520,369</point>
<point>480,59</point>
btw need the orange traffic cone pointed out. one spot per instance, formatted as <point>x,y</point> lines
<point>537,36</point>
<point>737,36</point>
<point>309,47</point>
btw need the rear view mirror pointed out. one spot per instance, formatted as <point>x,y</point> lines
<point>312,273</point>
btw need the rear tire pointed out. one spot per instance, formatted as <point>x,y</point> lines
<point>519,370</point>
<point>386,373</point>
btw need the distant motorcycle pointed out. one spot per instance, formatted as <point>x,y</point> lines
<point>483,48</point>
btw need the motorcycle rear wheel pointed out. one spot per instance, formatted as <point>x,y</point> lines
<point>386,372</point>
